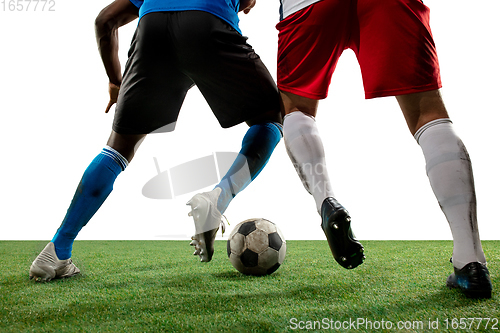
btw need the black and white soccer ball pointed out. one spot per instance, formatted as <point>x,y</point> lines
<point>256,247</point>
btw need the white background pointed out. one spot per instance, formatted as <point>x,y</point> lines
<point>53,91</point>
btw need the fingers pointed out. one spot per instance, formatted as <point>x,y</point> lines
<point>113,95</point>
<point>110,104</point>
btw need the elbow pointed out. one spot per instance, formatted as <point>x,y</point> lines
<point>105,23</point>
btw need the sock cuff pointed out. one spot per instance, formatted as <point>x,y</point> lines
<point>422,129</point>
<point>274,132</point>
<point>298,113</point>
<point>274,127</point>
<point>116,156</point>
<point>278,126</point>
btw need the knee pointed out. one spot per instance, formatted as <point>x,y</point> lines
<point>126,144</point>
<point>422,108</point>
<point>292,103</point>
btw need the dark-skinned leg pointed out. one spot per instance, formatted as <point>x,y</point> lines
<point>450,174</point>
<point>259,142</point>
<point>305,149</point>
<point>126,144</point>
<point>95,186</point>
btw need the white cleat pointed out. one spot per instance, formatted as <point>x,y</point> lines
<point>47,266</point>
<point>207,219</point>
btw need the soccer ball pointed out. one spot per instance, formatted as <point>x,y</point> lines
<point>256,247</point>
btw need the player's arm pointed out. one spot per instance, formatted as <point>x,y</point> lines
<point>246,5</point>
<point>115,15</point>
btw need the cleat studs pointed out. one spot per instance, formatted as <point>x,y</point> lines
<point>349,267</point>
<point>335,226</point>
<point>343,258</point>
<point>348,219</point>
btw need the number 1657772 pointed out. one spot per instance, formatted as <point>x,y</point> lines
<point>28,5</point>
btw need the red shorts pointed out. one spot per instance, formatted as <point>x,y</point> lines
<point>392,40</point>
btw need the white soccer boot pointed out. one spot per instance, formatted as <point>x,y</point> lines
<point>47,266</point>
<point>207,219</point>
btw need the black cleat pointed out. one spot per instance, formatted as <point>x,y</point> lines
<point>336,224</point>
<point>204,244</point>
<point>473,280</point>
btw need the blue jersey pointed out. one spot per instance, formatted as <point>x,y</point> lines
<point>225,9</point>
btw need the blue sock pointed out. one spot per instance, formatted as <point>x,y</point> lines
<point>256,149</point>
<point>95,186</point>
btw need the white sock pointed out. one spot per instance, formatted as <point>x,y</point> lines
<point>305,149</point>
<point>450,174</point>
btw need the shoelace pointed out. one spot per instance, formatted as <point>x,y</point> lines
<point>223,225</point>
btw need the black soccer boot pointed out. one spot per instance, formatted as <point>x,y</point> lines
<point>336,224</point>
<point>473,280</point>
<point>204,244</point>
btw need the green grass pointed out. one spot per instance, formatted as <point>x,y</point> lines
<point>155,286</point>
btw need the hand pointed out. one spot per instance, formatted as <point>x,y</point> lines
<point>246,5</point>
<point>113,95</point>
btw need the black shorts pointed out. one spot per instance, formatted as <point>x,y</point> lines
<point>171,52</point>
